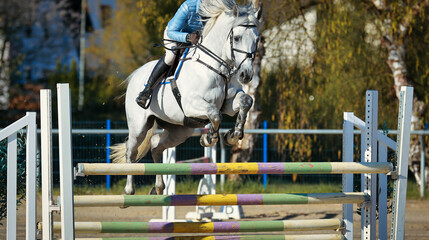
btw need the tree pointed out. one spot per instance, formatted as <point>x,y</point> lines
<point>358,45</point>
<point>398,20</point>
<point>13,16</point>
<point>32,33</point>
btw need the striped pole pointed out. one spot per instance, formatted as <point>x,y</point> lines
<point>232,168</point>
<point>217,199</point>
<point>196,160</point>
<point>335,236</point>
<point>207,227</point>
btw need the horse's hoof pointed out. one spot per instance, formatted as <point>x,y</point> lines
<point>129,191</point>
<point>239,134</point>
<point>205,140</point>
<point>229,138</point>
<point>153,191</point>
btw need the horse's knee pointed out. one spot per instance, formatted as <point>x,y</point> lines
<point>215,116</point>
<point>246,102</point>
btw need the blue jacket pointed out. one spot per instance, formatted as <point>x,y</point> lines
<point>186,20</point>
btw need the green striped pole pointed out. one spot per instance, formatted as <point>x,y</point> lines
<point>335,236</point>
<point>205,227</point>
<point>232,168</point>
<point>217,199</point>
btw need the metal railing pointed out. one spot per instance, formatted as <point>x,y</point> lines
<point>198,132</point>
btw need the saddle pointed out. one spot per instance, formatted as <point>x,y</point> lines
<point>171,76</point>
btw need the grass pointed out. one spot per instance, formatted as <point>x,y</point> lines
<point>189,186</point>
<point>413,191</point>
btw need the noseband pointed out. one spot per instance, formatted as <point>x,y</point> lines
<point>249,55</point>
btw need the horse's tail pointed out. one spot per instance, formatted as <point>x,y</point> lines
<point>118,151</point>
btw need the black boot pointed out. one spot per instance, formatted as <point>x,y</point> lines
<point>160,68</point>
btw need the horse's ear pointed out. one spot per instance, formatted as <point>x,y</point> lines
<point>257,6</point>
<point>258,13</point>
<point>236,11</point>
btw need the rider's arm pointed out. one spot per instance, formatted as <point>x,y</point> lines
<point>176,24</point>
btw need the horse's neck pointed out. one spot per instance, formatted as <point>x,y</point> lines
<point>216,40</point>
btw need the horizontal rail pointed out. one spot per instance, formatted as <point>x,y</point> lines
<point>205,227</point>
<point>357,122</point>
<point>199,131</point>
<point>335,236</point>
<point>196,160</point>
<point>217,199</point>
<point>230,168</point>
<point>16,126</point>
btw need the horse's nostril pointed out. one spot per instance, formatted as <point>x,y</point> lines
<point>242,75</point>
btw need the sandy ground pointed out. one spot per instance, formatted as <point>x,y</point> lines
<point>416,222</point>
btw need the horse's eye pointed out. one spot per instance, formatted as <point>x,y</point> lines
<point>237,38</point>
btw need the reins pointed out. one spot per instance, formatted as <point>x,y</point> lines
<point>231,68</point>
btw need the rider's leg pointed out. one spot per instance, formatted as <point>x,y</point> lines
<point>160,68</point>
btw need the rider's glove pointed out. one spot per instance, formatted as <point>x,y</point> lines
<point>193,37</point>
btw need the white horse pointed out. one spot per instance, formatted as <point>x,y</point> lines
<point>209,84</point>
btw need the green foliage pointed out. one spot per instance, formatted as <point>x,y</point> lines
<point>293,109</point>
<point>123,45</point>
<point>65,74</point>
<point>418,57</point>
<point>3,173</point>
<point>155,15</point>
<point>100,94</point>
<point>348,59</point>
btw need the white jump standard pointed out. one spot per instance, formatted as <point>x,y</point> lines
<point>373,166</point>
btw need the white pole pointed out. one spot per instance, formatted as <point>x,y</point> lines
<point>348,140</point>
<point>369,187</point>
<point>31,186</point>
<point>66,162</point>
<point>382,195</point>
<point>402,154</point>
<point>11,186</point>
<point>82,54</point>
<point>422,166</point>
<point>46,148</point>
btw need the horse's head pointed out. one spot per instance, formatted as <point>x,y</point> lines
<point>235,27</point>
<point>243,40</point>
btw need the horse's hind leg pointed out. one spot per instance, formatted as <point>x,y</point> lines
<point>242,103</point>
<point>135,139</point>
<point>172,136</point>
<point>132,149</point>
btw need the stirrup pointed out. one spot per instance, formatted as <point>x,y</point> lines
<point>143,98</point>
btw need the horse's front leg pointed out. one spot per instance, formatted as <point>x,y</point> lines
<point>210,138</point>
<point>242,103</point>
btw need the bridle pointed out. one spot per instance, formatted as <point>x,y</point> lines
<point>250,55</point>
<point>230,66</point>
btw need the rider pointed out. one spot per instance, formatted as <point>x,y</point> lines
<point>183,27</point>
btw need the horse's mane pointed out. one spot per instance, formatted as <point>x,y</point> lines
<point>210,10</point>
